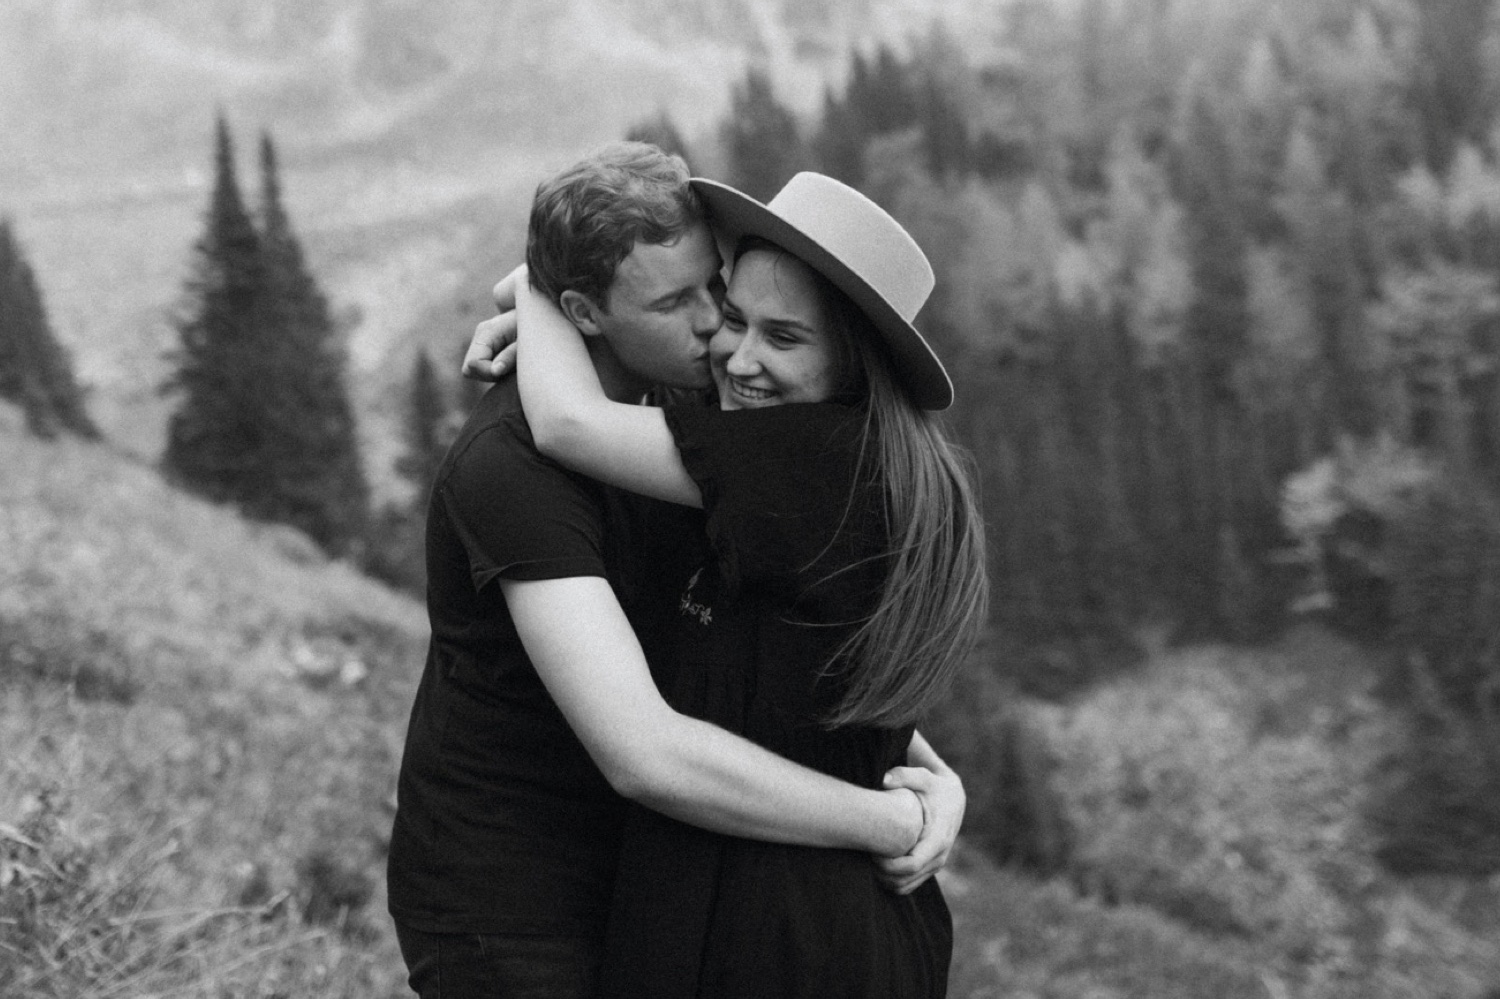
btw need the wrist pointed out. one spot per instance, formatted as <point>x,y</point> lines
<point>910,819</point>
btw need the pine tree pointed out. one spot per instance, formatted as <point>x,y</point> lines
<point>36,371</point>
<point>396,553</point>
<point>884,96</point>
<point>761,139</point>
<point>264,419</point>
<point>215,438</point>
<point>1211,191</point>
<point>945,133</point>
<point>316,483</point>
<point>1450,91</point>
<point>839,143</point>
<point>426,435</point>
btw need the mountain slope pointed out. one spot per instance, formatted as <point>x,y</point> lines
<point>411,135</point>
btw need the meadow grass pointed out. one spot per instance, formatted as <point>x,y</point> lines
<point>201,739</point>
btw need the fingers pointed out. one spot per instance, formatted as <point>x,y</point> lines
<point>493,340</point>
<point>498,331</point>
<point>943,807</point>
<point>902,882</point>
<point>927,857</point>
<point>906,873</point>
<point>492,354</point>
<point>903,887</point>
<point>504,362</point>
<point>918,779</point>
<point>941,793</point>
<point>903,875</point>
<point>501,366</point>
<point>943,801</point>
<point>905,866</point>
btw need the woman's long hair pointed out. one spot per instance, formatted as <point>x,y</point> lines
<point>903,658</point>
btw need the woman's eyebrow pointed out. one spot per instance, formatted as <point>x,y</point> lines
<point>777,322</point>
<point>791,324</point>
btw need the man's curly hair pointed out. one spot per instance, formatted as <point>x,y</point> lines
<point>588,218</point>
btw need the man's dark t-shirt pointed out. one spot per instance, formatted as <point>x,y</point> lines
<point>503,823</point>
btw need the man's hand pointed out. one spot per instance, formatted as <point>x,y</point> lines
<point>492,351</point>
<point>943,803</point>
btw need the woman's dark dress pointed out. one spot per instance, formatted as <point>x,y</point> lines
<point>796,561</point>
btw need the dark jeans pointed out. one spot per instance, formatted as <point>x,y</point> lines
<point>475,966</point>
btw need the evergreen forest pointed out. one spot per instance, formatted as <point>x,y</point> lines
<point>1217,282</point>
<point>1220,288</point>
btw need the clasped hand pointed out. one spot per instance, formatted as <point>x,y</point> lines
<point>943,802</point>
<point>492,351</point>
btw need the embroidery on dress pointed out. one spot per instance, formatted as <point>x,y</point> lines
<point>692,608</point>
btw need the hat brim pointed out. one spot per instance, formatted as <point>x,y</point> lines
<point>737,214</point>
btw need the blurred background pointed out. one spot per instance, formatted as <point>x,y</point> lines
<point>1219,283</point>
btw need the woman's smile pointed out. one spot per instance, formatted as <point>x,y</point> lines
<point>749,393</point>
<point>776,345</point>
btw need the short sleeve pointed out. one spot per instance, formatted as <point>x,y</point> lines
<point>784,491</point>
<point>518,514</point>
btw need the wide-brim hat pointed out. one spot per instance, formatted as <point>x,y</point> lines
<point>855,244</point>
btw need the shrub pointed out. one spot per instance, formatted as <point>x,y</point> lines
<point>1195,792</point>
<point>55,649</point>
<point>334,890</point>
<point>1441,810</point>
<point>1337,510</point>
<point>1018,936</point>
<point>395,549</point>
<point>1445,570</point>
<point>1441,813</point>
<point>984,730</point>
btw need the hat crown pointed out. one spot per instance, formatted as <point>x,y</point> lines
<point>861,235</point>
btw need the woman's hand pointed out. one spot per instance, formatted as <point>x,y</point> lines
<point>492,351</point>
<point>943,802</point>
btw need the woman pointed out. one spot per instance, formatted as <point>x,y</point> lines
<point>844,585</point>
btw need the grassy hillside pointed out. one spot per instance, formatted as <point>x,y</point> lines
<point>202,720</point>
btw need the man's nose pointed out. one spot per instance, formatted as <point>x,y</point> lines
<point>708,316</point>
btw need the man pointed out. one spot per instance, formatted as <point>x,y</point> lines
<point>536,711</point>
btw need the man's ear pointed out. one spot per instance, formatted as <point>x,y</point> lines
<point>581,311</point>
